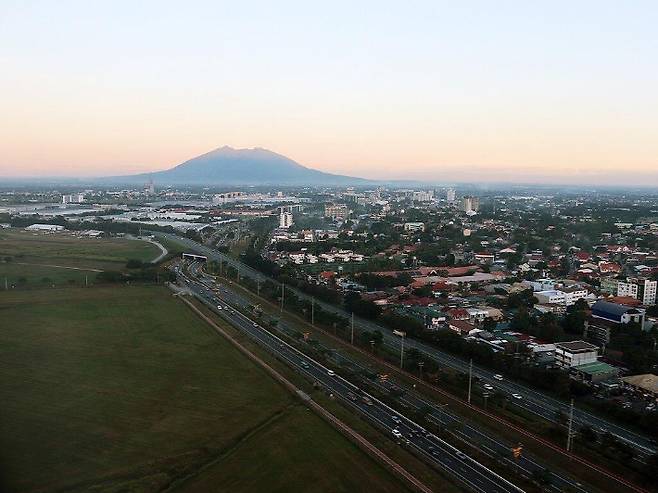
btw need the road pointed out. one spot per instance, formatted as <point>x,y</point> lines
<point>417,439</point>
<point>534,401</point>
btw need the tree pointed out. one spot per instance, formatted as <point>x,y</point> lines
<point>521,320</point>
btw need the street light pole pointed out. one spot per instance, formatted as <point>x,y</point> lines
<point>352,336</point>
<point>420,368</point>
<point>569,433</point>
<point>313,312</point>
<point>402,352</point>
<point>470,377</point>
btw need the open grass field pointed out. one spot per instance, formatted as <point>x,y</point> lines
<point>43,259</point>
<point>125,389</point>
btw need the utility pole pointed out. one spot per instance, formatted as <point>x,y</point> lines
<point>352,337</point>
<point>569,433</point>
<point>470,378</point>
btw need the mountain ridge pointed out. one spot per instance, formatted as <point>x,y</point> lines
<point>248,166</point>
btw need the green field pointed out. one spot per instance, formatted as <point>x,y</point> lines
<point>41,260</point>
<point>125,389</point>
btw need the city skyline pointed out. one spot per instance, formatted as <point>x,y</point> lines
<point>512,93</point>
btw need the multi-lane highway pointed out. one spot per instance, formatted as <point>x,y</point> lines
<point>409,434</point>
<point>532,400</point>
<point>412,400</point>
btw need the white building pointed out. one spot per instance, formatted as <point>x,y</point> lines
<point>564,296</point>
<point>575,353</point>
<point>74,198</point>
<point>423,196</point>
<point>285,220</point>
<point>551,296</point>
<point>450,195</point>
<point>470,204</point>
<point>44,227</point>
<point>573,294</point>
<point>638,288</point>
<point>414,226</point>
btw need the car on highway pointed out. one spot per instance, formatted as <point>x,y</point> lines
<point>304,364</point>
<point>518,397</point>
<point>488,386</point>
<point>395,419</point>
<point>367,401</point>
<point>219,307</point>
<point>396,433</point>
<point>498,377</point>
<point>461,455</point>
<point>255,324</point>
<point>331,373</point>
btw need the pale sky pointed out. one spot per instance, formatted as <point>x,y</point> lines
<point>443,90</point>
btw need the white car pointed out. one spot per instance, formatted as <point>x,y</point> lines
<point>488,386</point>
<point>517,396</point>
<point>219,307</point>
<point>331,373</point>
<point>396,433</point>
<point>498,377</point>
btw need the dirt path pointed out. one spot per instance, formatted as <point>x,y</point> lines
<point>60,267</point>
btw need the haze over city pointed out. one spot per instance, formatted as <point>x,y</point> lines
<point>512,92</point>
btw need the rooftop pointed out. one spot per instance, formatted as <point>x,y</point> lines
<point>576,346</point>
<point>647,381</point>
<point>596,368</point>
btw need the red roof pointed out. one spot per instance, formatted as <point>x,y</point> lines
<point>458,314</point>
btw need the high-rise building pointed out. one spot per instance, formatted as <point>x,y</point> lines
<point>450,195</point>
<point>336,211</point>
<point>285,220</point>
<point>639,288</point>
<point>422,195</point>
<point>470,204</point>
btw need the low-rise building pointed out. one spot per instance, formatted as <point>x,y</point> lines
<point>619,314</point>
<point>640,288</point>
<point>646,383</point>
<point>462,327</point>
<point>594,372</point>
<point>44,227</point>
<point>412,227</point>
<point>575,353</point>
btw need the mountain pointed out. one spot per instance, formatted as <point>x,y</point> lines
<point>228,166</point>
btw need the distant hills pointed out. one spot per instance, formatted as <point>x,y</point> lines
<point>228,166</point>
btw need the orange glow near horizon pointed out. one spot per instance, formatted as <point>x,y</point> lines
<point>558,93</point>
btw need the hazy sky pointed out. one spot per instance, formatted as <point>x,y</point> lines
<point>524,91</point>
